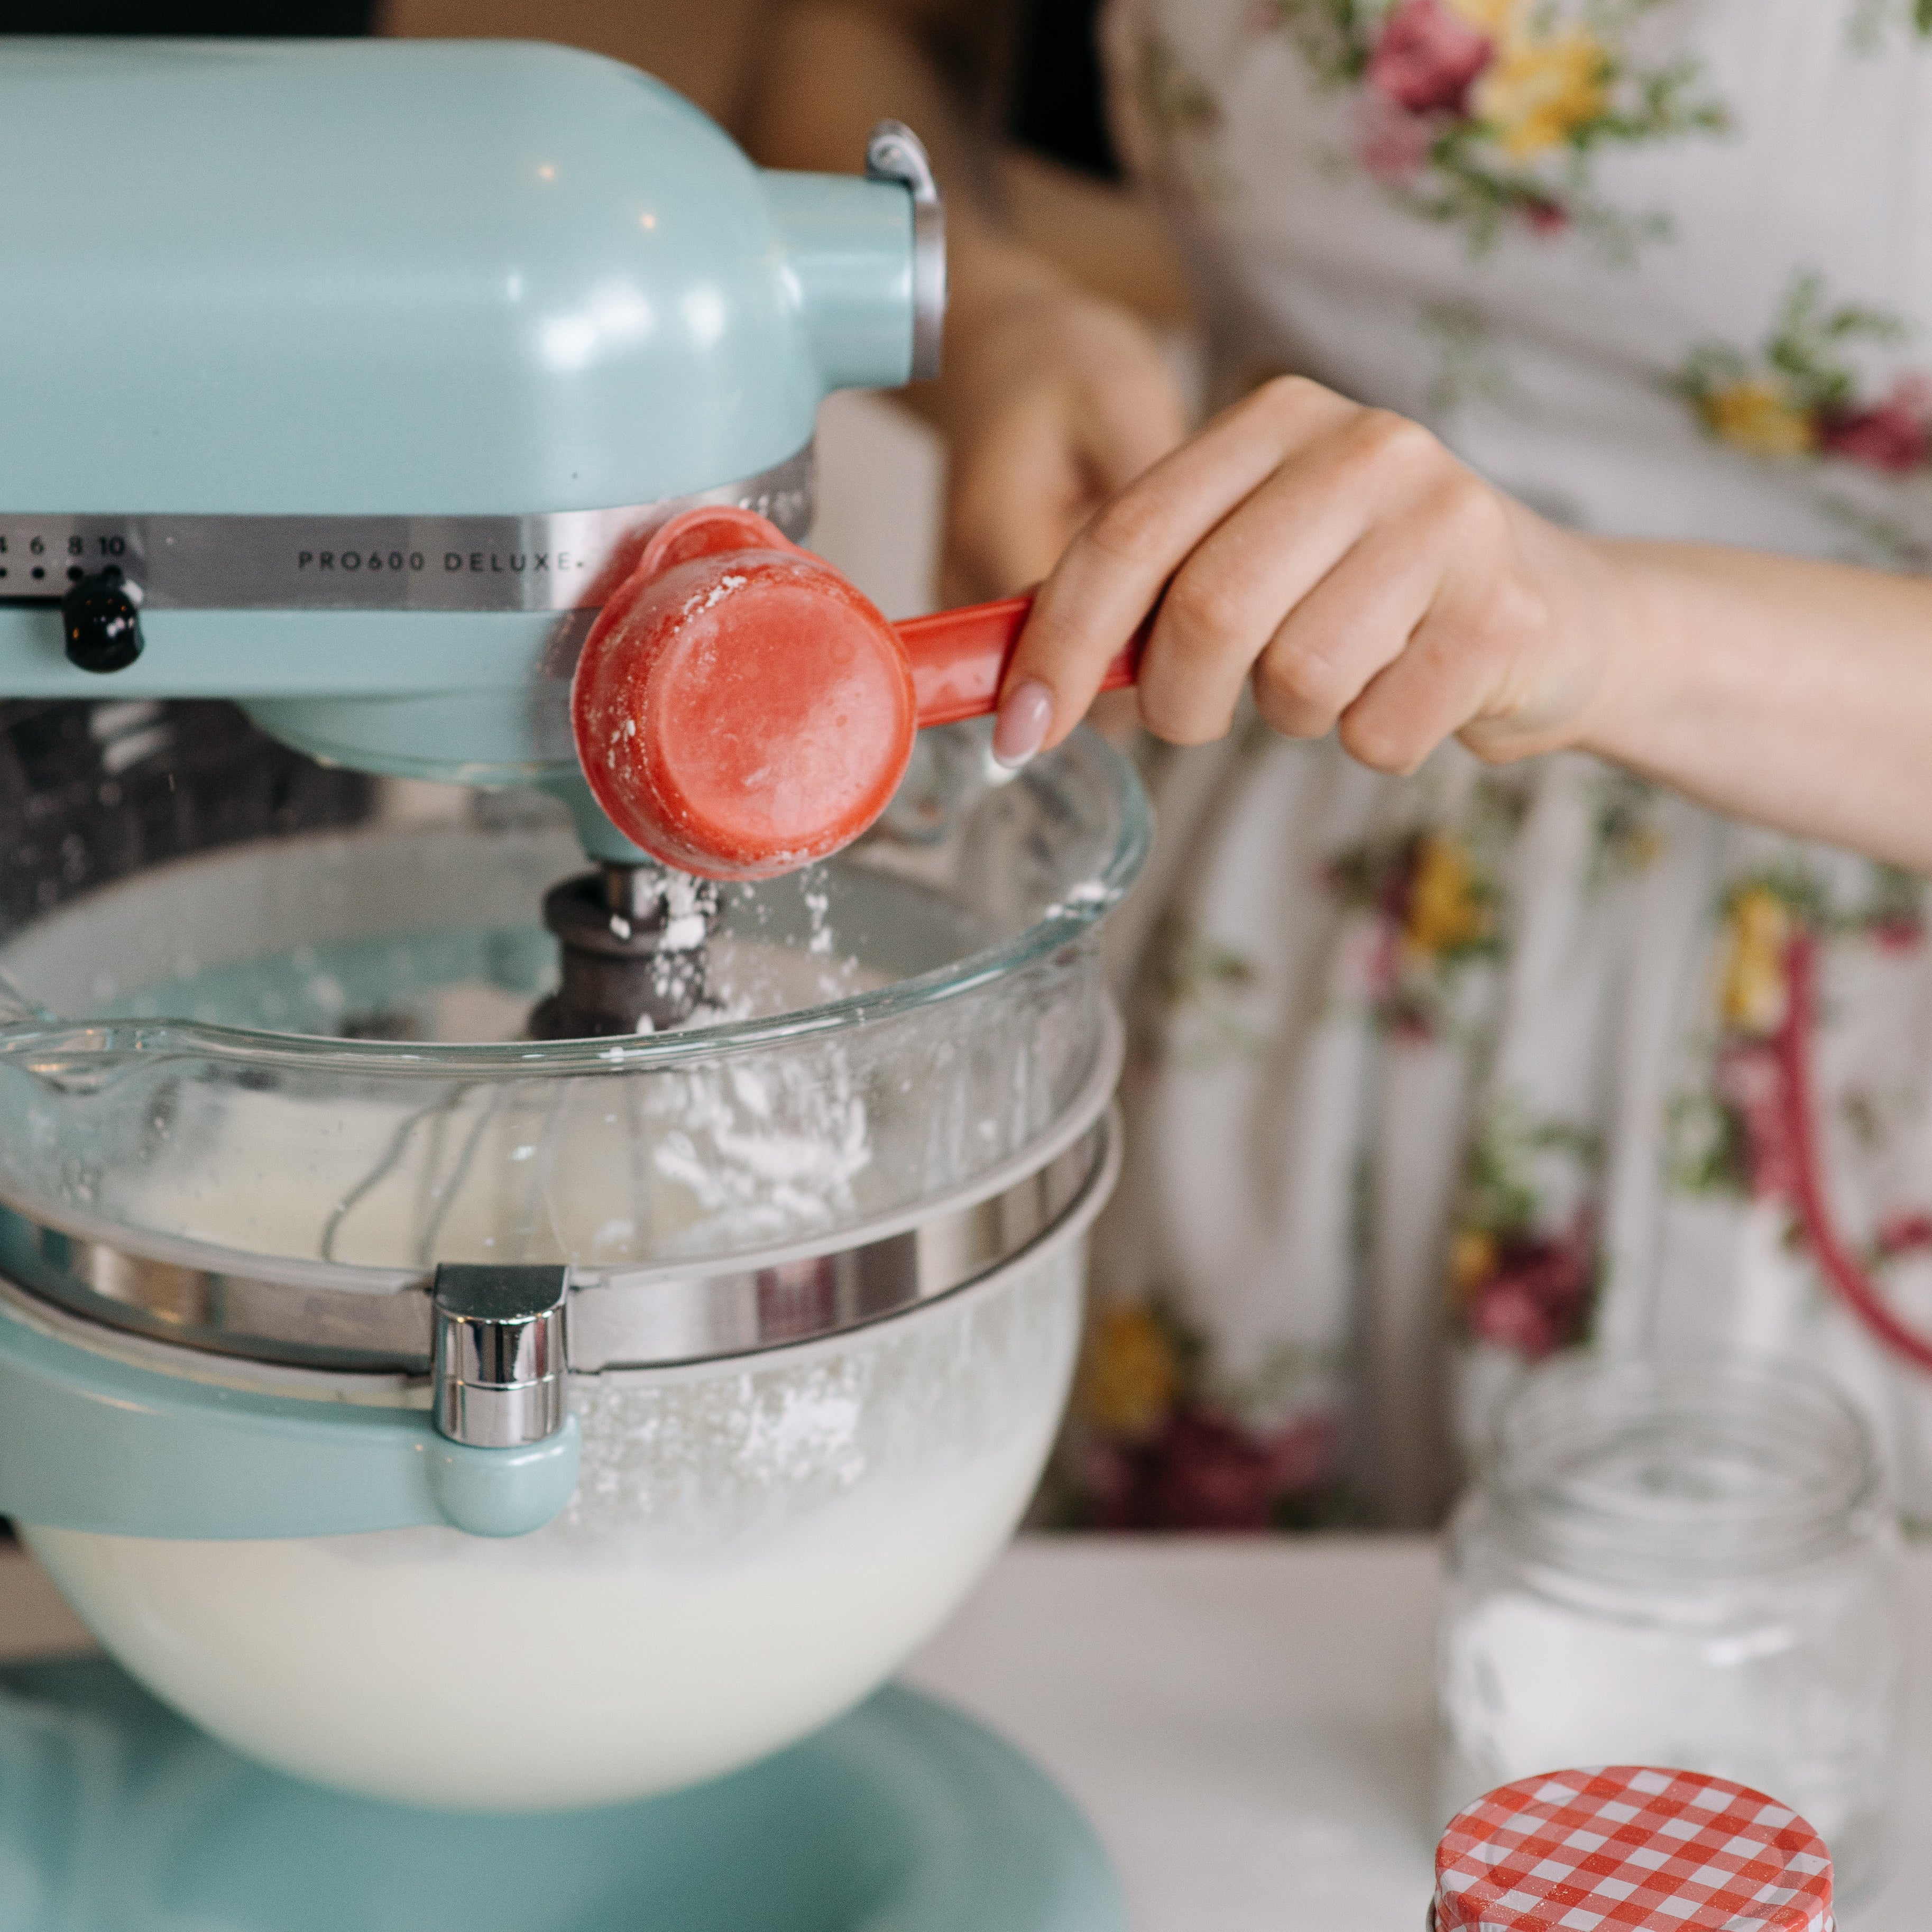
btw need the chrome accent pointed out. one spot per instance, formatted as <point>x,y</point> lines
<point>550,560</point>
<point>498,1355</point>
<point>324,1314</point>
<point>894,153</point>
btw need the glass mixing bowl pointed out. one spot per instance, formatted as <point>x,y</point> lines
<point>300,1084</point>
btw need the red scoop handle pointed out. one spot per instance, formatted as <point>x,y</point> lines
<point>740,710</point>
<point>959,658</point>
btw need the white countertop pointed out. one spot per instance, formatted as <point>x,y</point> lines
<point>1247,1723</point>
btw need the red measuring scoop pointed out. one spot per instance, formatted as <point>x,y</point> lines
<point>741,709</point>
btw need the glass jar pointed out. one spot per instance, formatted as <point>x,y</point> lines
<point>1693,1564</point>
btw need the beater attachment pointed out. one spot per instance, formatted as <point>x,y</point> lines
<point>634,941</point>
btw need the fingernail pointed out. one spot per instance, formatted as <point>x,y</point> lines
<point>1026,716</point>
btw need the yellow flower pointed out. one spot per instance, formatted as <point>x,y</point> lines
<point>1487,16</point>
<point>1445,910</point>
<point>1753,994</point>
<point>1132,1376</point>
<point>1538,91</point>
<point>1472,1259</point>
<point>1757,415</point>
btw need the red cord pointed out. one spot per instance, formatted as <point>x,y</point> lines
<point>1851,1283</point>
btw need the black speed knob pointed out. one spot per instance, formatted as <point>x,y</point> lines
<point>103,622</point>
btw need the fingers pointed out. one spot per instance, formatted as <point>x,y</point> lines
<point>1114,571</point>
<point>1462,666</point>
<point>1338,556</point>
<point>1415,633</point>
<point>1039,471</point>
<point>1268,557</point>
<point>1358,620</point>
<point>1016,502</point>
<point>1425,696</point>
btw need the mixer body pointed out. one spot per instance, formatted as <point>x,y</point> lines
<point>396,1331</point>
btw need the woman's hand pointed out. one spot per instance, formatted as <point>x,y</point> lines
<point>1341,560</point>
<point>1053,402</point>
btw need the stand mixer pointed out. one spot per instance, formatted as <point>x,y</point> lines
<point>460,1379</point>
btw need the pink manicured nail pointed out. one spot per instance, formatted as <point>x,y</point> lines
<point>1026,716</point>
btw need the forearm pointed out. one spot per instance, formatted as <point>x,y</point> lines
<point>1793,693</point>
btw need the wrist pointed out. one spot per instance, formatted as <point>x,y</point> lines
<point>1633,620</point>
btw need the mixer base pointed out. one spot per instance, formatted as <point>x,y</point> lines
<point>117,1816</point>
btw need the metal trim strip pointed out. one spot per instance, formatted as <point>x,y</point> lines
<point>548,561</point>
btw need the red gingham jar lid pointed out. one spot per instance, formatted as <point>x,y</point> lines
<point>1622,1849</point>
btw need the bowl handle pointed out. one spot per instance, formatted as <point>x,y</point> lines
<point>90,1442</point>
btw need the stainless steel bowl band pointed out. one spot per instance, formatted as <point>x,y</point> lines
<point>614,1325</point>
<point>613,1319</point>
<point>552,560</point>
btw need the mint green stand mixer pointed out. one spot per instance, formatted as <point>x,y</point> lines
<point>461,1383</point>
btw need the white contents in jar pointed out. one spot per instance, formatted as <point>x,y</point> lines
<point>1791,1696</point>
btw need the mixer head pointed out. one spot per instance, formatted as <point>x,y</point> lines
<point>416,397</point>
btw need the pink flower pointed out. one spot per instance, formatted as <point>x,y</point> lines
<point>1426,59</point>
<point>1391,143</point>
<point>1545,217</point>
<point>1894,436</point>
<point>1205,1471</point>
<point>1409,1022</point>
<point>1506,1315</point>
<point>1303,1455</point>
<point>1365,961</point>
<point>1750,1081</point>
<point>1385,962</point>
<point>1536,1300</point>
<point>1903,934</point>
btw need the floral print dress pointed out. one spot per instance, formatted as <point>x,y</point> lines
<point>1432,1077</point>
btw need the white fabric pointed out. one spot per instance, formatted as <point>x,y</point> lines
<point>1431,1075</point>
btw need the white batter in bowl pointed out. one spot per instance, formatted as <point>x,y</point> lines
<point>754,1546</point>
